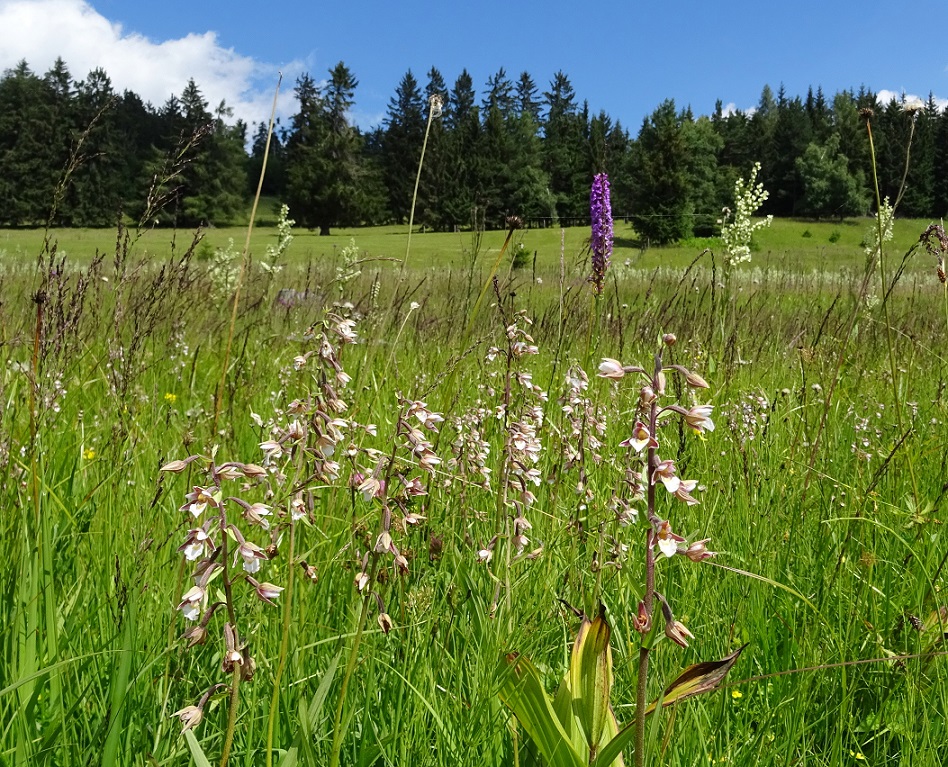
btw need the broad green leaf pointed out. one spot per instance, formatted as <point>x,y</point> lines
<point>694,680</point>
<point>523,693</point>
<point>200,759</point>
<point>697,679</point>
<point>590,672</point>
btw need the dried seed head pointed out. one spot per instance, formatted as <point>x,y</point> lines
<point>669,339</point>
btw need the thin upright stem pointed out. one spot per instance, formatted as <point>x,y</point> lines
<point>284,645</point>
<point>890,345</point>
<point>231,715</point>
<point>421,161</point>
<point>648,598</point>
<point>232,617</point>
<point>243,261</point>
<point>350,669</point>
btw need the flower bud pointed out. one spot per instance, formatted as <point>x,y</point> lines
<point>676,631</point>
<point>195,635</point>
<point>190,717</point>
<point>610,368</point>
<point>698,552</point>
<point>669,339</point>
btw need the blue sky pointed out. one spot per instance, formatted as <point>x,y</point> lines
<point>623,57</point>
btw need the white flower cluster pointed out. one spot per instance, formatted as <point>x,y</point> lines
<point>874,244</point>
<point>224,271</point>
<point>349,269</point>
<point>737,228</point>
<point>284,238</point>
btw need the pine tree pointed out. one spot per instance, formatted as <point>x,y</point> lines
<point>704,193</point>
<point>659,174</point>
<point>792,134</point>
<point>564,151</point>
<point>918,200</point>
<point>462,203</point>
<point>305,160</point>
<point>435,181</point>
<point>31,160</point>
<point>404,134</point>
<point>830,189</point>
<point>940,163</point>
<point>527,101</point>
<point>95,195</point>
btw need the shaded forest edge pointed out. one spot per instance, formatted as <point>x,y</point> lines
<point>77,153</point>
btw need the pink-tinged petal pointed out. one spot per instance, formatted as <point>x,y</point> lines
<point>672,483</point>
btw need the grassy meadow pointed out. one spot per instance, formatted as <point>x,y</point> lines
<point>822,487</point>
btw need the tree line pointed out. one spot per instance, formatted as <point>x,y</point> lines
<point>77,153</point>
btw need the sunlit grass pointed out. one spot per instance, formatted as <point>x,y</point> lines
<point>91,666</point>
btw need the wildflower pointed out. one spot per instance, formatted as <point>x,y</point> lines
<point>385,622</point>
<point>668,474</point>
<point>699,419</point>
<point>255,513</point>
<point>266,591</point>
<point>697,551</point>
<point>600,212</point>
<point>192,602</point>
<point>199,499</point>
<point>171,398</point>
<point>229,470</point>
<point>640,439</point>
<point>642,621</point>
<point>646,397</point>
<point>195,544</point>
<point>190,717</point>
<point>232,655</point>
<point>610,368</point>
<point>674,630</point>
<point>297,508</point>
<point>683,493</point>
<point>88,454</point>
<point>667,540</point>
<point>195,635</point>
<point>252,554</point>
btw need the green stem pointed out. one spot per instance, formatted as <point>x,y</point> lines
<point>231,715</point>
<point>350,669</point>
<point>648,598</point>
<point>243,263</point>
<point>284,646</point>
<point>414,197</point>
<point>893,368</point>
<point>232,618</point>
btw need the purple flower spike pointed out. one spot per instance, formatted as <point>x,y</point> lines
<point>600,211</point>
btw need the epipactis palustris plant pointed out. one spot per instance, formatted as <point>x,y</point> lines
<point>578,727</point>
<point>241,511</point>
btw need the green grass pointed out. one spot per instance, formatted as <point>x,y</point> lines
<point>91,665</point>
<point>783,244</point>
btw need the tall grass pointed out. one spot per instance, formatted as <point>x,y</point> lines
<point>109,370</point>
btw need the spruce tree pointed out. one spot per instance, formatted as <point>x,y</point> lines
<point>659,174</point>
<point>404,134</point>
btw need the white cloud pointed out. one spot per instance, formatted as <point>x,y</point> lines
<point>40,30</point>
<point>885,96</point>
